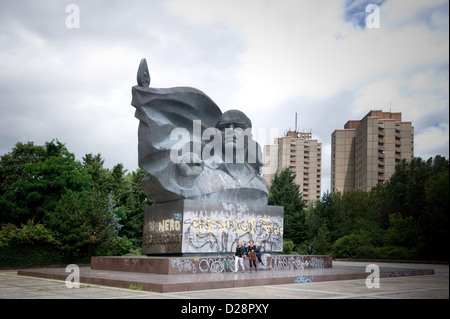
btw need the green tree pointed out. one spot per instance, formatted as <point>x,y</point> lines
<point>284,192</point>
<point>434,222</point>
<point>405,191</point>
<point>419,189</point>
<point>356,204</point>
<point>321,242</point>
<point>136,201</point>
<point>119,184</point>
<point>93,165</point>
<point>85,224</point>
<point>47,184</point>
<point>328,212</point>
<point>12,171</point>
<point>126,196</point>
<point>403,231</point>
<point>44,173</point>
<point>12,164</point>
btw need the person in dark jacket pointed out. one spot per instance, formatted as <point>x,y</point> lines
<point>258,253</point>
<point>251,252</point>
<point>239,257</point>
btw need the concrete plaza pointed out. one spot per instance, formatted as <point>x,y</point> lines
<point>435,286</point>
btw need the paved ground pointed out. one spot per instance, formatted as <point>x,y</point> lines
<point>434,286</point>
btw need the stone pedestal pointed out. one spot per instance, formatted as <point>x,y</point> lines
<point>204,227</point>
<point>206,264</point>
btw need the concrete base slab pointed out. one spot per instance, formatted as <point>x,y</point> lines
<point>205,263</point>
<point>200,281</point>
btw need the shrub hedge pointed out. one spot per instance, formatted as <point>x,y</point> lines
<point>29,255</point>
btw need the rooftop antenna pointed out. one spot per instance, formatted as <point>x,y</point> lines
<point>390,109</point>
<point>296,122</point>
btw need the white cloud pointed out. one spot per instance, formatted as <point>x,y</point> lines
<point>401,11</point>
<point>292,48</point>
<point>432,141</point>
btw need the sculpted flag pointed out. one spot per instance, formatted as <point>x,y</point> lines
<point>175,126</point>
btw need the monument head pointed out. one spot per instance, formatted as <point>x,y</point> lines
<point>235,129</point>
<point>233,119</point>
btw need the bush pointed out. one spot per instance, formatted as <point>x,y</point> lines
<point>353,246</point>
<point>396,253</point>
<point>359,245</point>
<point>31,245</point>
<point>29,234</point>
<point>7,233</point>
<point>123,246</point>
<point>288,246</point>
<point>28,255</point>
<point>302,248</point>
<point>403,231</point>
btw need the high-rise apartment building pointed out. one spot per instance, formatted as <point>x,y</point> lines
<point>303,155</point>
<point>366,151</point>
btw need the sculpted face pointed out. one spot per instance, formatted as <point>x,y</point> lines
<point>233,125</point>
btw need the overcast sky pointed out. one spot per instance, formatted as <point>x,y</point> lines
<point>270,59</point>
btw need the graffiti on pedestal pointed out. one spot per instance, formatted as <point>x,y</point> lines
<point>220,230</point>
<point>198,227</point>
<point>163,231</point>
<point>269,262</point>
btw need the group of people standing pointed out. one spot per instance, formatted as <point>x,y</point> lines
<point>250,251</point>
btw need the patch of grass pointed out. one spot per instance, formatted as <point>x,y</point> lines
<point>136,287</point>
<point>85,286</point>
